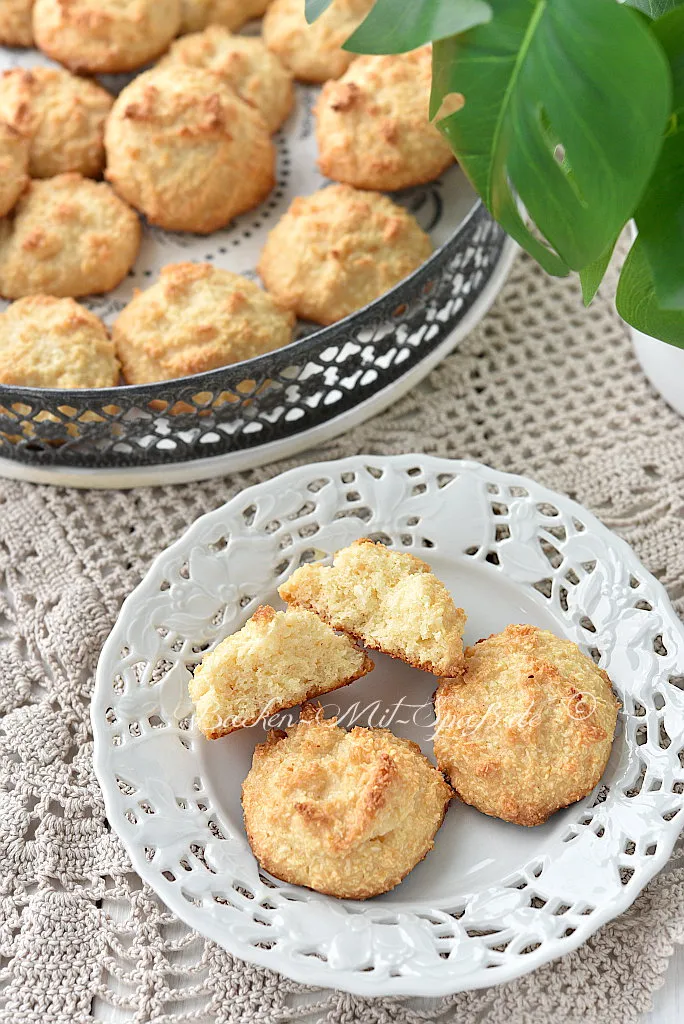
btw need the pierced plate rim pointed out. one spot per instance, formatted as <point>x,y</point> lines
<point>317,973</point>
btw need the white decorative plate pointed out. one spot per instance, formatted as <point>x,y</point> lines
<point>492,900</point>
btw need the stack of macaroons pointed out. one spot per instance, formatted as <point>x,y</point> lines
<point>187,146</point>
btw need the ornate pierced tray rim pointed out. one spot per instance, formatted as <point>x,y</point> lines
<point>320,335</point>
<point>249,458</point>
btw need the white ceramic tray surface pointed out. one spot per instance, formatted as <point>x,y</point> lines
<point>493,900</point>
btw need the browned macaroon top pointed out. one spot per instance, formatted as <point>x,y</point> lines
<point>346,813</point>
<point>528,727</point>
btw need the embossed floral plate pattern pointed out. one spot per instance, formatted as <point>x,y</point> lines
<point>492,900</point>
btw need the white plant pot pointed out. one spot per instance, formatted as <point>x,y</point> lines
<point>663,364</point>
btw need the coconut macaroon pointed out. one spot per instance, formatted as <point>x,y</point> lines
<point>346,813</point>
<point>390,600</point>
<point>98,36</point>
<point>16,27</point>
<point>62,115</point>
<point>67,236</point>
<point>372,125</point>
<point>313,52</point>
<point>186,151</point>
<point>231,14</point>
<point>14,157</point>
<point>243,63</point>
<point>55,343</point>
<point>277,660</point>
<point>339,249</point>
<point>529,726</point>
<point>197,318</point>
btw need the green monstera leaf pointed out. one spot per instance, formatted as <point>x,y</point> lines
<point>637,302</point>
<point>568,118</point>
<point>552,117</point>
<point>660,214</point>
<point>390,30</point>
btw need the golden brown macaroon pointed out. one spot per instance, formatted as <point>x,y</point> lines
<point>100,36</point>
<point>232,14</point>
<point>55,343</point>
<point>390,600</point>
<point>186,151</point>
<point>14,158</point>
<point>61,114</point>
<point>15,23</point>
<point>277,660</point>
<point>529,726</point>
<point>339,249</point>
<point>346,813</point>
<point>372,126</point>
<point>313,52</point>
<point>67,236</point>
<point>197,318</point>
<point>243,63</point>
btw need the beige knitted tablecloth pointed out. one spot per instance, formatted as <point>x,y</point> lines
<point>542,387</point>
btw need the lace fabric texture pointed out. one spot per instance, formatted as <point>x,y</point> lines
<point>541,387</point>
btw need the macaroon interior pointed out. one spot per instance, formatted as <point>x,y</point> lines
<point>389,600</point>
<point>277,660</point>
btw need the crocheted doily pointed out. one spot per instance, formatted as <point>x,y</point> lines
<point>541,387</point>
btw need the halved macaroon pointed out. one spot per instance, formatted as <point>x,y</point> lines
<point>277,660</point>
<point>390,600</point>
